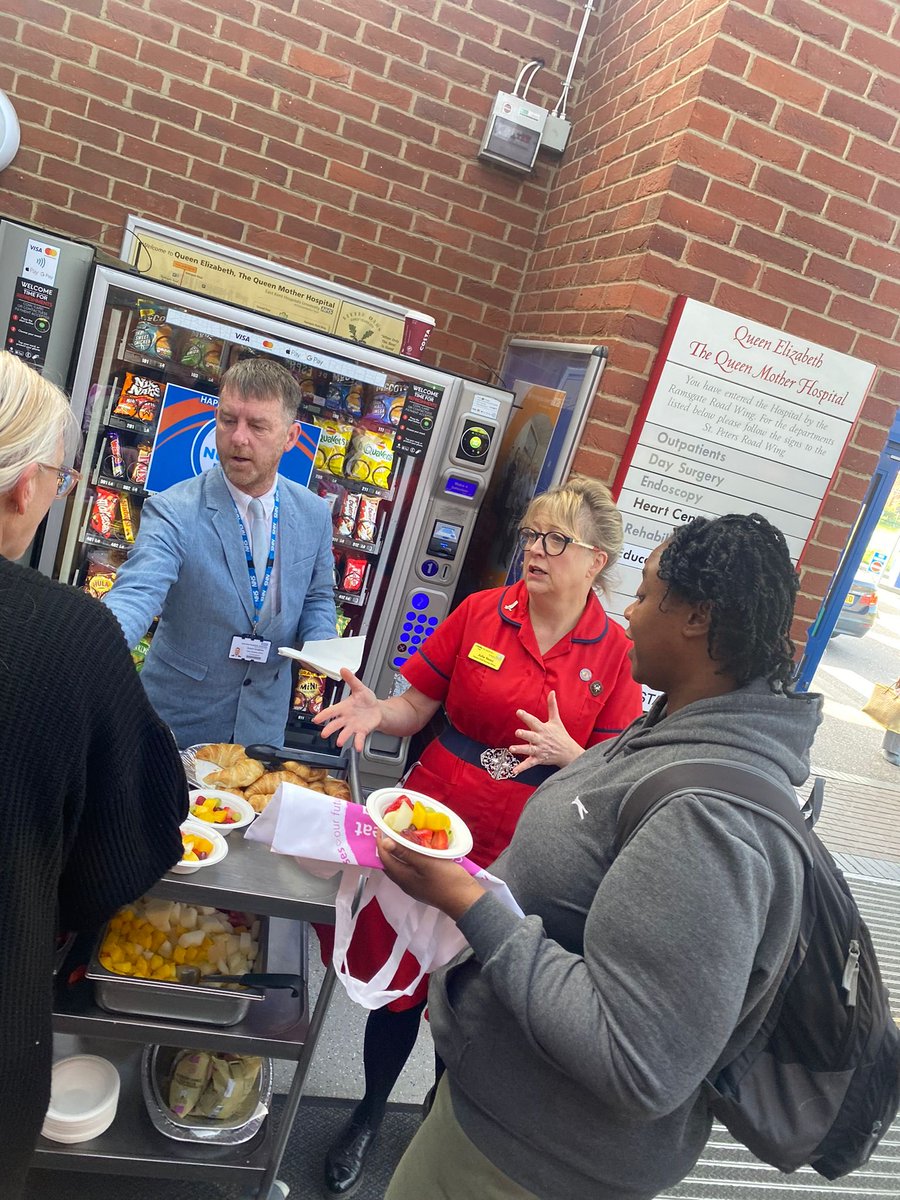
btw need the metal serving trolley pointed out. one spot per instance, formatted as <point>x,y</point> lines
<point>252,879</point>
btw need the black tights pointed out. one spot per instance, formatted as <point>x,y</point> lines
<point>390,1037</point>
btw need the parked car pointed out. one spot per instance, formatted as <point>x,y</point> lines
<point>859,609</point>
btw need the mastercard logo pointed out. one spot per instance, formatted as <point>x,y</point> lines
<point>267,345</point>
<point>50,252</point>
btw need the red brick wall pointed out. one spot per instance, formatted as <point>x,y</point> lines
<point>746,155</point>
<point>742,153</point>
<point>337,137</point>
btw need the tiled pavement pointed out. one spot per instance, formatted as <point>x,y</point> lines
<point>861,820</point>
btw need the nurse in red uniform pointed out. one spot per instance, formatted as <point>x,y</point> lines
<point>529,676</point>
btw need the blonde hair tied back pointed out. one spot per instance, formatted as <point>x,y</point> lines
<point>34,416</point>
<point>585,509</point>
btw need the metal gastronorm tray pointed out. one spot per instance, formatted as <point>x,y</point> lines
<point>209,1003</point>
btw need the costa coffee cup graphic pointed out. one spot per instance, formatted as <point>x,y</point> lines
<point>416,330</point>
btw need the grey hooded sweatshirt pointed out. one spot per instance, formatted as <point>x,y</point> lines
<point>576,1039</point>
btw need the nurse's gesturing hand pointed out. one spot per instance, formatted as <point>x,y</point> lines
<point>361,713</point>
<point>439,882</point>
<point>356,716</point>
<point>544,743</point>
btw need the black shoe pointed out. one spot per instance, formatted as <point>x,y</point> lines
<point>345,1161</point>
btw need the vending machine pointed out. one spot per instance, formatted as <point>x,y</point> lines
<point>401,453</point>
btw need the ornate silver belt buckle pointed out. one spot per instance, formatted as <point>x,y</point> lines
<point>499,762</point>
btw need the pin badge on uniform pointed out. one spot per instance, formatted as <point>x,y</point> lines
<point>596,687</point>
<point>584,674</point>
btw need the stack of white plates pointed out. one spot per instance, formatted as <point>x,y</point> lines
<point>84,1094</point>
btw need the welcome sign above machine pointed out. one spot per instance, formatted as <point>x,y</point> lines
<point>737,417</point>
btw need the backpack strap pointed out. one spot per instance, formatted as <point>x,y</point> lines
<point>738,783</point>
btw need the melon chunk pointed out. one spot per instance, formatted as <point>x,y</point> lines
<point>399,818</point>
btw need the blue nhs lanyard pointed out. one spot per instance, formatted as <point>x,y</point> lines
<point>259,593</point>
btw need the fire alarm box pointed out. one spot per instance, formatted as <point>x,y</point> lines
<point>513,134</point>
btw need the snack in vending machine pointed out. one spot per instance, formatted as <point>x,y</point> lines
<point>371,457</point>
<point>138,392</point>
<point>105,512</point>
<point>202,353</point>
<point>139,652</point>
<point>147,409</point>
<point>153,340</point>
<point>343,622</point>
<point>127,519</point>
<point>332,492</point>
<point>117,462</point>
<point>309,693</point>
<point>367,519</point>
<point>354,574</point>
<point>346,395</point>
<point>140,467</point>
<point>333,442</point>
<point>346,522</point>
<point>386,404</point>
<point>102,566</point>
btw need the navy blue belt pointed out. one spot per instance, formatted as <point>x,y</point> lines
<point>498,761</point>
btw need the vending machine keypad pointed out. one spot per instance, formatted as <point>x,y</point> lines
<point>417,626</point>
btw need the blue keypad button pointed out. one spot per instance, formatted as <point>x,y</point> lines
<point>419,600</point>
<point>428,632</point>
<point>415,639</point>
<point>432,620</point>
<point>410,616</point>
<point>397,662</point>
<point>429,567</point>
<point>408,627</point>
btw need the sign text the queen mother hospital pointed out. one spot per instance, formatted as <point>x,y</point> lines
<point>737,417</point>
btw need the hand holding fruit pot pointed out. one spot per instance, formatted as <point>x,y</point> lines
<point>440,882</point>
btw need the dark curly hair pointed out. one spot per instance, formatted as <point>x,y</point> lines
<point>741,566</point>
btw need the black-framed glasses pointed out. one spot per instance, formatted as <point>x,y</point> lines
<point>554,543</point>
<point>66,478</point>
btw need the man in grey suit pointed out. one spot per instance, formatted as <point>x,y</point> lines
<point>235,562</point>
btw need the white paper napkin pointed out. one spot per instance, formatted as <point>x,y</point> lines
<point>327,657</point>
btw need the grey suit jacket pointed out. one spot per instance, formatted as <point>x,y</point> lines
<point>189,567</point>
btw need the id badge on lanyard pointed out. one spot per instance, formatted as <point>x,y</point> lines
<point>253,648</point>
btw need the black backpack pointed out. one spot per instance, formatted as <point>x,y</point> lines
<point>820,1081</point>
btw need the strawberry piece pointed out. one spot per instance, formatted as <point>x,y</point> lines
<point>440,841</point>
<point>394,805</point>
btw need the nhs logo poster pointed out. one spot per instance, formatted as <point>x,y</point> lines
<point>185,442</point>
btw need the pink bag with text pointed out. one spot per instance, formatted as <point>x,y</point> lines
<point>326,834</point>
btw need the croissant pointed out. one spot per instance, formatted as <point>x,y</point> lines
<point>257,801</point>
<point>266,784</point>
<point>337,787</point>
<point>224,754</point>
<point>305,772</point>
<point>245,771</point>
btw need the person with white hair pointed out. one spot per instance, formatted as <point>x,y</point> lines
<point>93,789</point>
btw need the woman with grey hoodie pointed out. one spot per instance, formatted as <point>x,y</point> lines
<point>577,1037</point>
